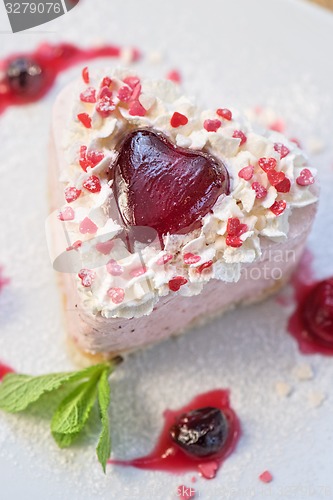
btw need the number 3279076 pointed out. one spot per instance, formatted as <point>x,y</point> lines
<point>33,8</point>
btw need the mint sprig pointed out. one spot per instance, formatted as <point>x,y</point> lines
<point>18,392</point>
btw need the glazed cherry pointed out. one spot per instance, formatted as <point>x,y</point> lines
<point>24,76</point>
<point>201,432</point>
<point>159,185</point>
<point>317,312</point>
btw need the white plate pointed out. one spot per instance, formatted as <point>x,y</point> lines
<point>239,53</point>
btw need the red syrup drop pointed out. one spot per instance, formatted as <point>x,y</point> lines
<point>311,324</point>
<point>4,369</point>
<point>27,77</point>
<point>168,457</point>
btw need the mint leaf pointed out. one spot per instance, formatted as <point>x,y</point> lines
<point>104,443</point>
<point>73,412</point>
<point>17,391</point>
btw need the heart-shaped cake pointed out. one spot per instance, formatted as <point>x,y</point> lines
<point>160,185</point>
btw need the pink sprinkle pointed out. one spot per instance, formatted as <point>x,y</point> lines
<point>125,93</point>
<point>212,125</point>
<point>66,214</point>
<point>275,178</point>
<point>164,259</point>
<point>281,149</point>
<point>224,113</point>
<point>71,194</point>
<point>106,82</point>
<point>174,75</point>
<point>3,281</point>
<point>261,191</point>
<point>85,119</point>
<point>283,186</point>
<point>105,106</point>
<point>178,120</point>
<point>267,164</point>
<point>246,173</point>
<point>104,247</point>
<point>266,477</point>
<point>85,74</point>
<point>238,134</point>
<point>114,268</point>
<point>190,258</point>
<point>208,469</point>
<point>75,246</point>
<point>132,81</point>
<point>89,95</point>
<point>87,226</point>
<point>87,277</point>
<point>136,109</point>
<point>92,184</point>
<point>136,92</point>
<point>139,271</point>
<point>305,178</point>
<point>105,92</point>
<point>185,492</point>
<point>277,126</point>
<point>116,295</point>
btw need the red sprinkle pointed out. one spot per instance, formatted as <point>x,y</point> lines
<point>283,186</point>
<point>278,207</point>
<point>71,194</point>
<point>89,159</point>
<point>66,214</point>
<point>266,477</point>
<point>136,109</point>
<point>178,120</point>
<point>106,82</point>
<point>164,259</point>
<point>246,173</point>
<point>305,178</point>
<point>85,119</point>
<point>116,295</point>
<point>104,247</point>
<point>190,258</point>
<point>92,184</point>
<point>267,164</point>
<point>281,149</point>
<point>132,81</point>
<point>89,95</point>
<point>85,74</point>
<point>234,230</point>
<point>87,277</point>
<point>105,92</point>
<point>87,226</point>
<point>275,178</point>
<point>224,113</point>
<point>261,191</point>
<point>114,268</point>
<point>205,265</point>
<point>278,126</point>
<point>238,134</point>
<point>212,125</point>
<point>176,282</point>
<point>174,75</point>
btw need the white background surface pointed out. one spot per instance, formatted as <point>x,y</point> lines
<point>241,53</point>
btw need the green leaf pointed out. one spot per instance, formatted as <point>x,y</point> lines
<point>72,414</point>
<point>17,391</point>
<point>104,444</point>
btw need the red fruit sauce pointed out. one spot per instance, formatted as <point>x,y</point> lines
<point>312,322</point>
<point>4,369</point>
<point>167,456</point>
<point>164,187</point>
<point>27,77</point>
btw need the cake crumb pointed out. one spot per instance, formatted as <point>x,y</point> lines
<point>283,389</point>
<point>266,477</point>
<point>316,398</point>
<point>303,372</point>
